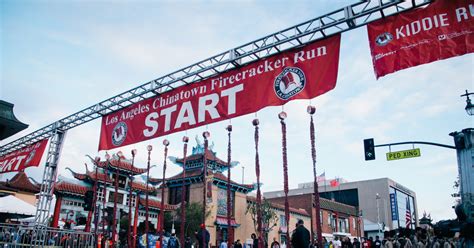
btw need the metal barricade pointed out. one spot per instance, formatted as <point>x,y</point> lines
<point>17,236</point>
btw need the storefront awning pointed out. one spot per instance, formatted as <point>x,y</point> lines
<point>222,221</point>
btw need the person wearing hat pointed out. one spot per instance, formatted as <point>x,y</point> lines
<point>203,233</point>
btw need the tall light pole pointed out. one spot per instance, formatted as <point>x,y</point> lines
<point>464,141</point>
<point>377,198</point>
<point>147,227</point>
<point>130,181</point>
<point>114,225</point>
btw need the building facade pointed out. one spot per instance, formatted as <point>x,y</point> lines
<point>381,200</point>
<point>337,219</point>
<point>242,225</point>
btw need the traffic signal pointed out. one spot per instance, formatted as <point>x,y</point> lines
<point>369,149</point>
<point>88,200</point>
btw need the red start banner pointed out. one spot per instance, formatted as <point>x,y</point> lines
<point>25,157</point>
<point>302,73</point>
<point>442,30</point>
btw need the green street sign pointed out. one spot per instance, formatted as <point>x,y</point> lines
<point>403,154</point>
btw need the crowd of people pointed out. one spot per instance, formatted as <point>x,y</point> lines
<point>300,238</point>
<point>23,236</point>
<point>402,238</point>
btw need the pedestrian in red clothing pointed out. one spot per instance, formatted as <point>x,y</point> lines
<point>366,243</point>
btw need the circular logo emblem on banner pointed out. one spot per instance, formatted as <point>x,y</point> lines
<point>30,157</point>
<point>119,133</point>
<point>289,82</point>
<point>384,39</point>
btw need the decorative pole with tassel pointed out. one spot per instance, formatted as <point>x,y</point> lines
<point>130,181</point>
<point>282,117</point>
<point>229,200</point>
<point>147,227</point>
<point>161,227</point>
<point>114,225</point>
<point>183,192</point>
<point>311,111</point>
<point>104,207</point>
<point>206,136</point>
<point>255,122</point>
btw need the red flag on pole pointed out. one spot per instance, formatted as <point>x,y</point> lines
<point>334,183</point>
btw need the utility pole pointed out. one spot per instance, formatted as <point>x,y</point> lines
<point>464,148</point>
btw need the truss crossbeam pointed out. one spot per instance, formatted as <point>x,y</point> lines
<point>341,20</point>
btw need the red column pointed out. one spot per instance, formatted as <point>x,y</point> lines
<point>135,221</point>
<point>57,211</point>
<point>158,223</point>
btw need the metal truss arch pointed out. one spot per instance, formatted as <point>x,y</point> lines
<point>341,20</point>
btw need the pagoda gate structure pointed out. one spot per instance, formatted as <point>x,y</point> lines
<point>21,187</point>
<point>116,171</point>
<point>216,183</point>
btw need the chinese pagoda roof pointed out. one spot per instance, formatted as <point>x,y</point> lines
<point>210,157</point>
<point>9,124</point>
<point>91,177</point>
<point>196,159</point>
<point>21,182</point>
<point>142,187</point>
<point>157,204</point>
<point>196,176</point>
<point>71,188</point>
<point>121,163</point>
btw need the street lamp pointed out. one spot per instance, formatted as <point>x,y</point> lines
<point>469,106</point>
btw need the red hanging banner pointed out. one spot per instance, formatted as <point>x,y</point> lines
<point>442,30</point>
<point>23,158</point>
<point>302,73</point>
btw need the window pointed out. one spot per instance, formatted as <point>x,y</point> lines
<point>333,222</point>
<point>122,180</point>
<point>119,197</point>
<point>342,225</point>
<point>321,217</point>
<point>100,194</point>
<point>133,197</point>
<point>282,221</point>
<point>174,194</point>
<point>222,202</point>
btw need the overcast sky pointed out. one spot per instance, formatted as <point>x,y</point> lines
<point>58,57</point>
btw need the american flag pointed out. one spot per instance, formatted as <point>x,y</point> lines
<point>321,178</point>
<point>408,214</point>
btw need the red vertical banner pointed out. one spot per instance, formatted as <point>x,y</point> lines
<point>442,30</point>
<point>302,73</point>
<point>23,158</point>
